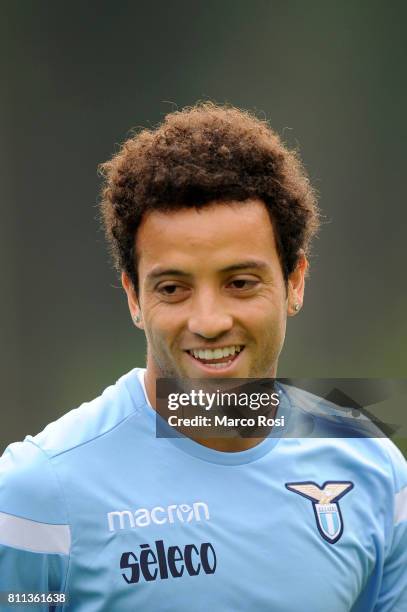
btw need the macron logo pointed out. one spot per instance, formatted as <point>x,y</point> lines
<point>182,513</point>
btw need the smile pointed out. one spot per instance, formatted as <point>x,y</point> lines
<point>217,358</point>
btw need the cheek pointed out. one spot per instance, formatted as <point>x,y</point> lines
<point>161,327</point>
<point>269,324</point>
<point>267,314</point>
<point>273,334</point>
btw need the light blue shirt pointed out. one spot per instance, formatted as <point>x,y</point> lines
<point>99,508</point>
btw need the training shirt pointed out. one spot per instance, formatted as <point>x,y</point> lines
<point>95,506</point>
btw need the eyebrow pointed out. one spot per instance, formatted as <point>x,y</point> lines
<point>253,264</point>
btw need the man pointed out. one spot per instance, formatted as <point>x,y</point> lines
<point>209,219</point>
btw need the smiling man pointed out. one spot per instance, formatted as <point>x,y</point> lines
<point>209,220</point>
<point>212,297</point>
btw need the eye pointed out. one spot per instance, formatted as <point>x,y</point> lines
<point>243,284</point>
<point>169,289</point>
<point>172,291</point>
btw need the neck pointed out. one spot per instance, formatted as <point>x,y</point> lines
<point>228,445</point>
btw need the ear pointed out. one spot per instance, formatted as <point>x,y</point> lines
<point>296,282</point>
<point>133,301</point>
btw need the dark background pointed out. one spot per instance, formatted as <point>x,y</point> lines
<point>78,76</point>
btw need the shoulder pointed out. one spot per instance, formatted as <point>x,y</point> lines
<point>93,419</point>
<point>347,432</point>
<point>28,487</point>
<point>29,483</point>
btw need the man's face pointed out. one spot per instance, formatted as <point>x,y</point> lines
<point>212,297</point>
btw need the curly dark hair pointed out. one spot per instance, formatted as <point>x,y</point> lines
<point>199,155</point>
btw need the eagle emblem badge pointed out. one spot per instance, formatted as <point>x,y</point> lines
<point>325,505</point>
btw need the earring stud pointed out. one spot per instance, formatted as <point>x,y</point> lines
<point>137,319</point>
<point>296,307</point>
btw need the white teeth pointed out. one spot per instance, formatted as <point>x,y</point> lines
<point>217,353</point>
<point>218,366</point>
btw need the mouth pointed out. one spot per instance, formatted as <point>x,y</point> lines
<point>216,359</point>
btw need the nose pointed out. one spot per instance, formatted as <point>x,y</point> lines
<point>209,318</point>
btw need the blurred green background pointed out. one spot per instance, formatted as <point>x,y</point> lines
<point>330,76</point>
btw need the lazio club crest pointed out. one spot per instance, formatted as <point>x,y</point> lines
<point>325,502</point>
